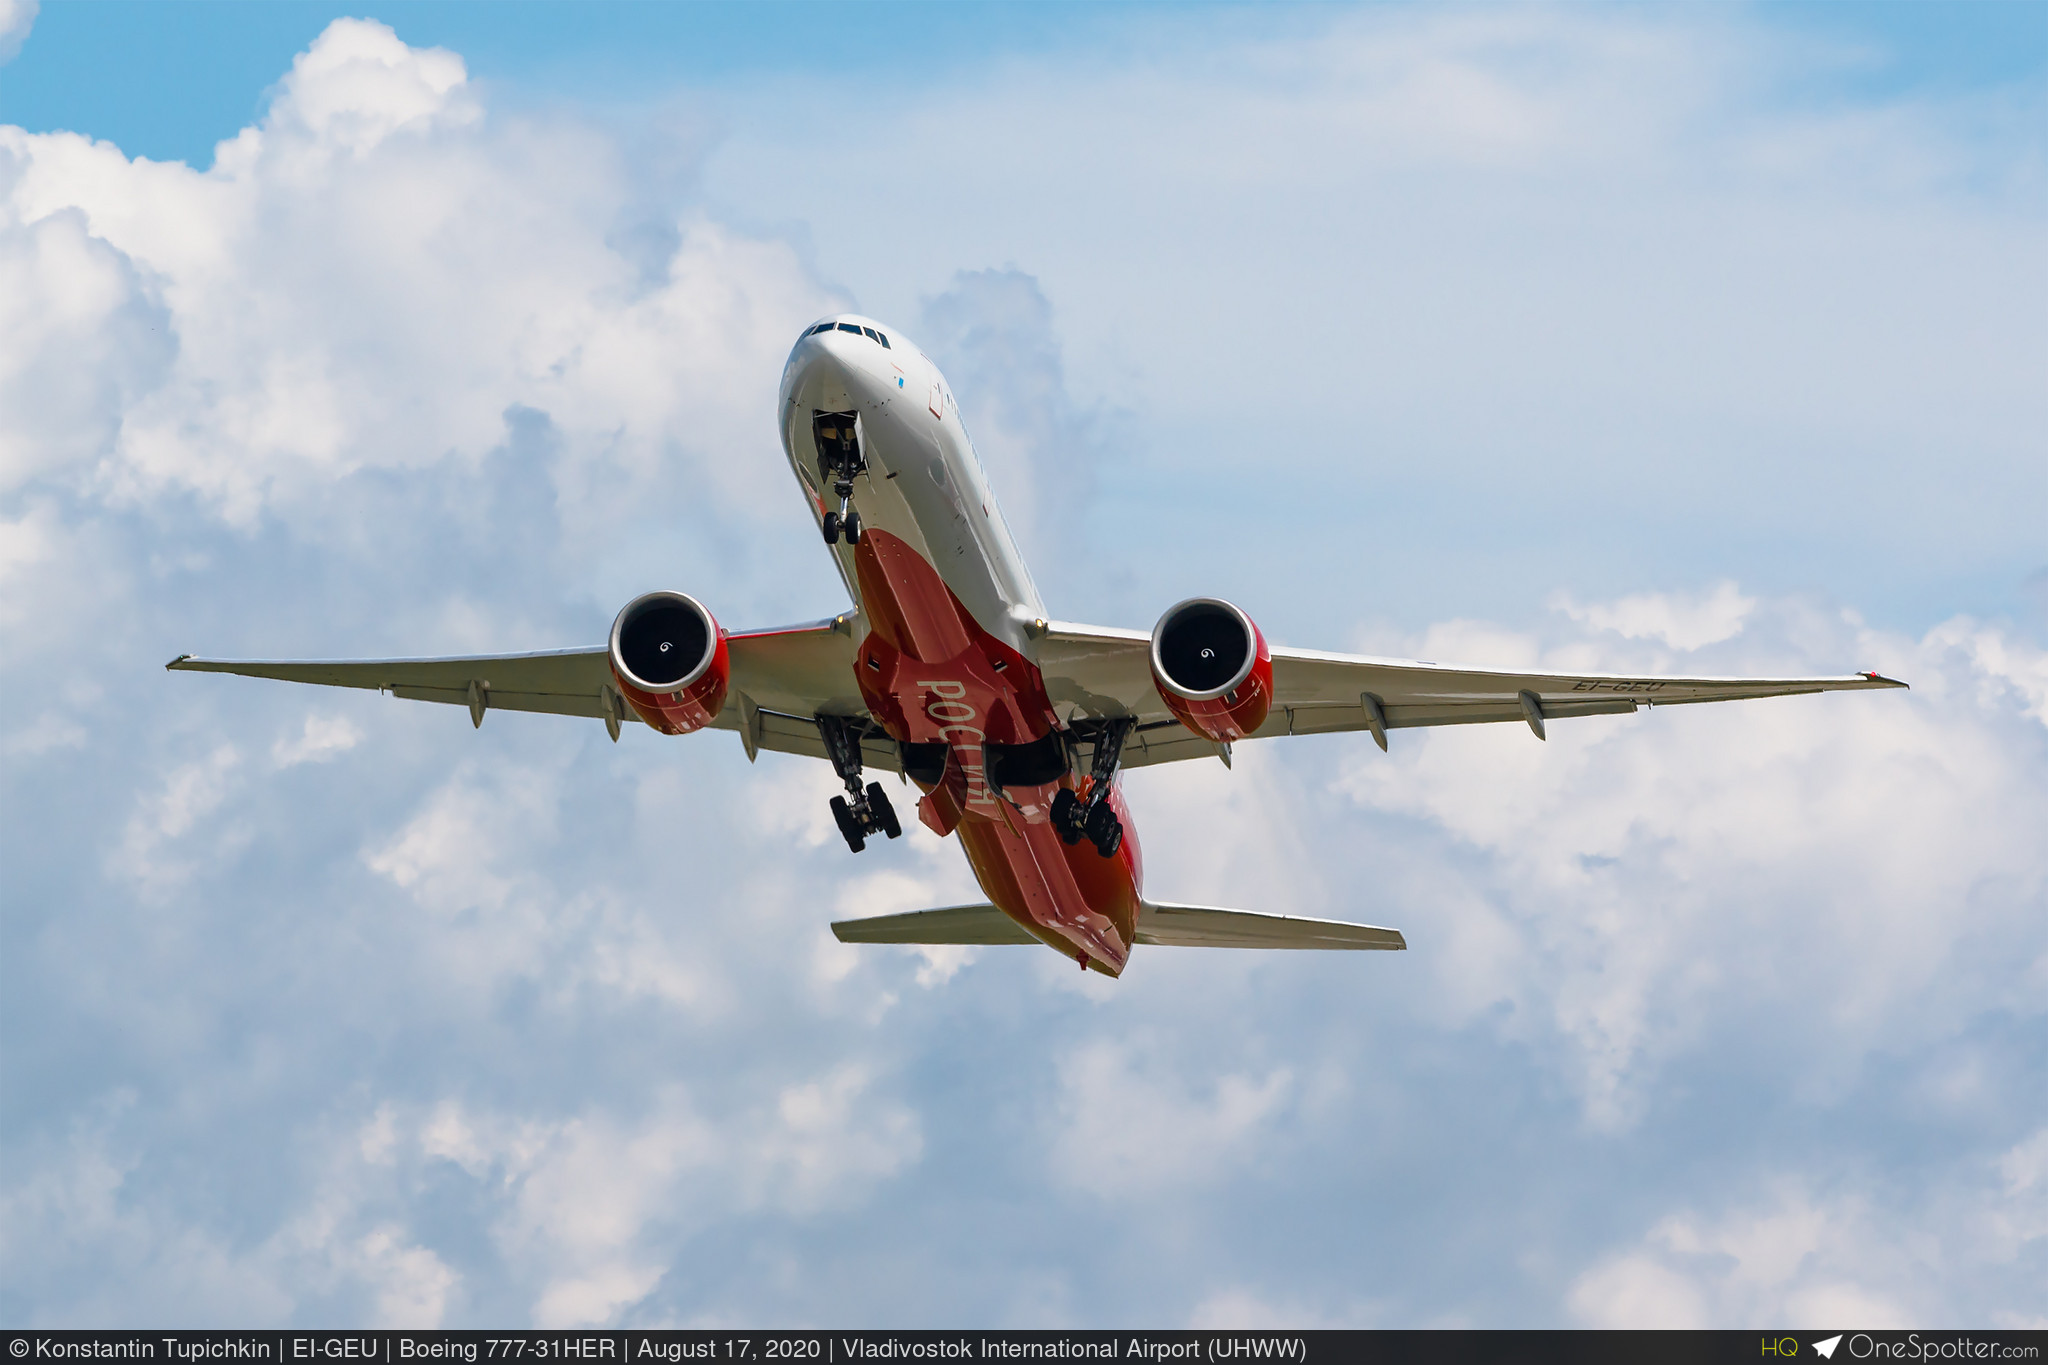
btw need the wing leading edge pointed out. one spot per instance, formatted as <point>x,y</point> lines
<point>781,680</point>
<point>1170,926</point>
<point>1093,672</point>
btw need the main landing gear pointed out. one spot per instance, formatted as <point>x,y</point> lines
<point>840,461</point>
<point>859,813</point>
<point>1093,818</point>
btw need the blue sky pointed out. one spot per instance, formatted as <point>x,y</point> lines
<point>1634,337</point>
<point>168,81</point>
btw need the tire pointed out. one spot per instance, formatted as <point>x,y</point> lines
<point>1063,821</point>
<point>1104,830</point>
<point>848,826</point>
<point>831,528</point>
<point>853,528</point>
<point>878,802</point>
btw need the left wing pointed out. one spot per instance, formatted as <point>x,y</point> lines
<point>1093,672</point>
<point>781,681</point>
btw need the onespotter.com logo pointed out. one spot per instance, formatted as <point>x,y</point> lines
<point>1888,1347</point>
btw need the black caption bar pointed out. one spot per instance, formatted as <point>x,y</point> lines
<point>1065,1348</point>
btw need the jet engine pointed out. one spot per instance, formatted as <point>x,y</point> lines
<point>670,661</point>
<point>1212,666</point>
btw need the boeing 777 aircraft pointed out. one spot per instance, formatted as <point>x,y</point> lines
<point>949,671</point>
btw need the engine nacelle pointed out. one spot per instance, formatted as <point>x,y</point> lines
<point>1212,666</point>
<point>670,661</point>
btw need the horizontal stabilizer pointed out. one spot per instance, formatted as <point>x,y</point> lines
<point>1175,926</point>
<point>1206,926</point>
<point>954,924</point>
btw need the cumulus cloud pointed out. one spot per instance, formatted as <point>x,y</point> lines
<point>1647,873</point>
<point>322,738</point>
<point>1679,620</point>
<point>17,17</point>
<point>993,333</point>
<point>1818,1261</point>
<point>242,323</point>
<point>1122,1131</point>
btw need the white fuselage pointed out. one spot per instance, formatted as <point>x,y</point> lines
<point>923,483</point>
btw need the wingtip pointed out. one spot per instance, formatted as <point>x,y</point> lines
<point>1882,681</point>
<point>175,662</point>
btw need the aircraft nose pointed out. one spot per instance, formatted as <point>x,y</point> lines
<point>840,361</point>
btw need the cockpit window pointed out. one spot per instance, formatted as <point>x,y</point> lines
<point>869,332</point>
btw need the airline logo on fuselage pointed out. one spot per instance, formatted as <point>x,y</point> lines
<point>946,703</point>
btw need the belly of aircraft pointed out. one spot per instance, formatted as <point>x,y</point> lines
<point>943,661</point>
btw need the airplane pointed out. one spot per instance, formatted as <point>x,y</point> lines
<point>1015,727</point>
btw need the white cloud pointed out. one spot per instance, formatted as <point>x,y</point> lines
<point>85,337</point>
<point>17,17</point>
<point>452,856</point>
<point>324,737</point>
<point>46,732</point>
<point>1242,1309</point>
<point>166,824</point>
<point>830,1142</point>
<point>1639,874</point>
<point>1681,621</point>
<point>358,85</point>
<point>1790,1260</point>
<point>1123,1128</point>
<point>245,324</point>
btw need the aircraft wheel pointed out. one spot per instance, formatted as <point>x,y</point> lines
<point>853,528</point>
<point>849,824</point>
<point>1063,803</point>
<point>885,814</point>
<point>831,528</point>
<point>1105,831</point>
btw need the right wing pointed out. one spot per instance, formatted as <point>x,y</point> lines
<point>1171,926</point>
<point>781,680</point>
<point>1095,672</point>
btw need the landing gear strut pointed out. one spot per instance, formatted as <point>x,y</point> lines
<point>859,813</point>
<point>1093,818</point>
<point>840,461</point>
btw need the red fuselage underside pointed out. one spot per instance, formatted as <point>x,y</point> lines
<point>931,674</point>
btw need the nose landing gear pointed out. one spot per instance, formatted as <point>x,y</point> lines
<point>1092,818</point>
<point>859,813</point>
<point>840,461</point>
<point>845,521</point>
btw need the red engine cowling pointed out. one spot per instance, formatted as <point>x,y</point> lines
<point>1212,666</point>
<point>670,660</point>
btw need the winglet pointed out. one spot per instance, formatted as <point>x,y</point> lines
<point>175,662</point>
<point>1888,682</point>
